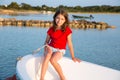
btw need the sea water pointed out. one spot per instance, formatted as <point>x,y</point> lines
<point>92,45</point>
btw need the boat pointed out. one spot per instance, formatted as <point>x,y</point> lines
<point>82,17</point>
<point>29,67</point>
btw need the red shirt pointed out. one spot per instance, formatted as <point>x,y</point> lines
<point>58,38</point>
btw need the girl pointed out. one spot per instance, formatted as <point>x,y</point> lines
<point>57,37</point>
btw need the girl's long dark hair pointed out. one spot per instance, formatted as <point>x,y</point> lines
<point>65,24</point>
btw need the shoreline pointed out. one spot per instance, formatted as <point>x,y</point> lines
<point>46,12</point>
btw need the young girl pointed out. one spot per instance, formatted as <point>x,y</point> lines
<point>57,37</point>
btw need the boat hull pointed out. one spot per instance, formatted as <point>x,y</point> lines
<point>29,68</point>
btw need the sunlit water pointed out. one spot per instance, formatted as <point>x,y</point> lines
<point>99,47</point>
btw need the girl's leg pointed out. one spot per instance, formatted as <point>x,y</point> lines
<point>54,61</point>
<point>45,63</point>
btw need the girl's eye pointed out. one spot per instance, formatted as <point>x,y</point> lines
<point>57,18</point>
<point>62,19</point>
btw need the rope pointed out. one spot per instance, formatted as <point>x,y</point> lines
<point>37,50</point>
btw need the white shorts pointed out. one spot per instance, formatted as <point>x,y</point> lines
<point>57,50</point>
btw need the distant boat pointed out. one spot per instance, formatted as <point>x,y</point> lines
<point>28,68</point>
<point>82,17</point>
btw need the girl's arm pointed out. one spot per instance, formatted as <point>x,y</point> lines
<point>70,45</point>
<point>47,39</point>
<point>46,43</point>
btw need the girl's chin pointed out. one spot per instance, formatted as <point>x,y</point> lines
<point>59,25</point>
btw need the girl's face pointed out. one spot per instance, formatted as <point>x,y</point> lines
<point>60,19</point>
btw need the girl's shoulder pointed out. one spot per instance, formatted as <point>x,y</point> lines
<point>50,30</point>
<point>68,28</point>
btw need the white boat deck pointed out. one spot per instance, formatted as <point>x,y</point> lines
<point>28,68</point>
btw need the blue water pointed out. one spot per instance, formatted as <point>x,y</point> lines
<point>99,47</point>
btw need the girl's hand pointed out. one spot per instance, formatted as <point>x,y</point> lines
<point>47,49</point>
<point>76,59</point>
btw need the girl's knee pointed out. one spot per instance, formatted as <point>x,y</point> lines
<point>48,54</point>
<point>53,60</point>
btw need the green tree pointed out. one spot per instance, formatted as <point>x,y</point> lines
<point>26,6</point>
<point>116,9</point>
<point>13,5</point>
